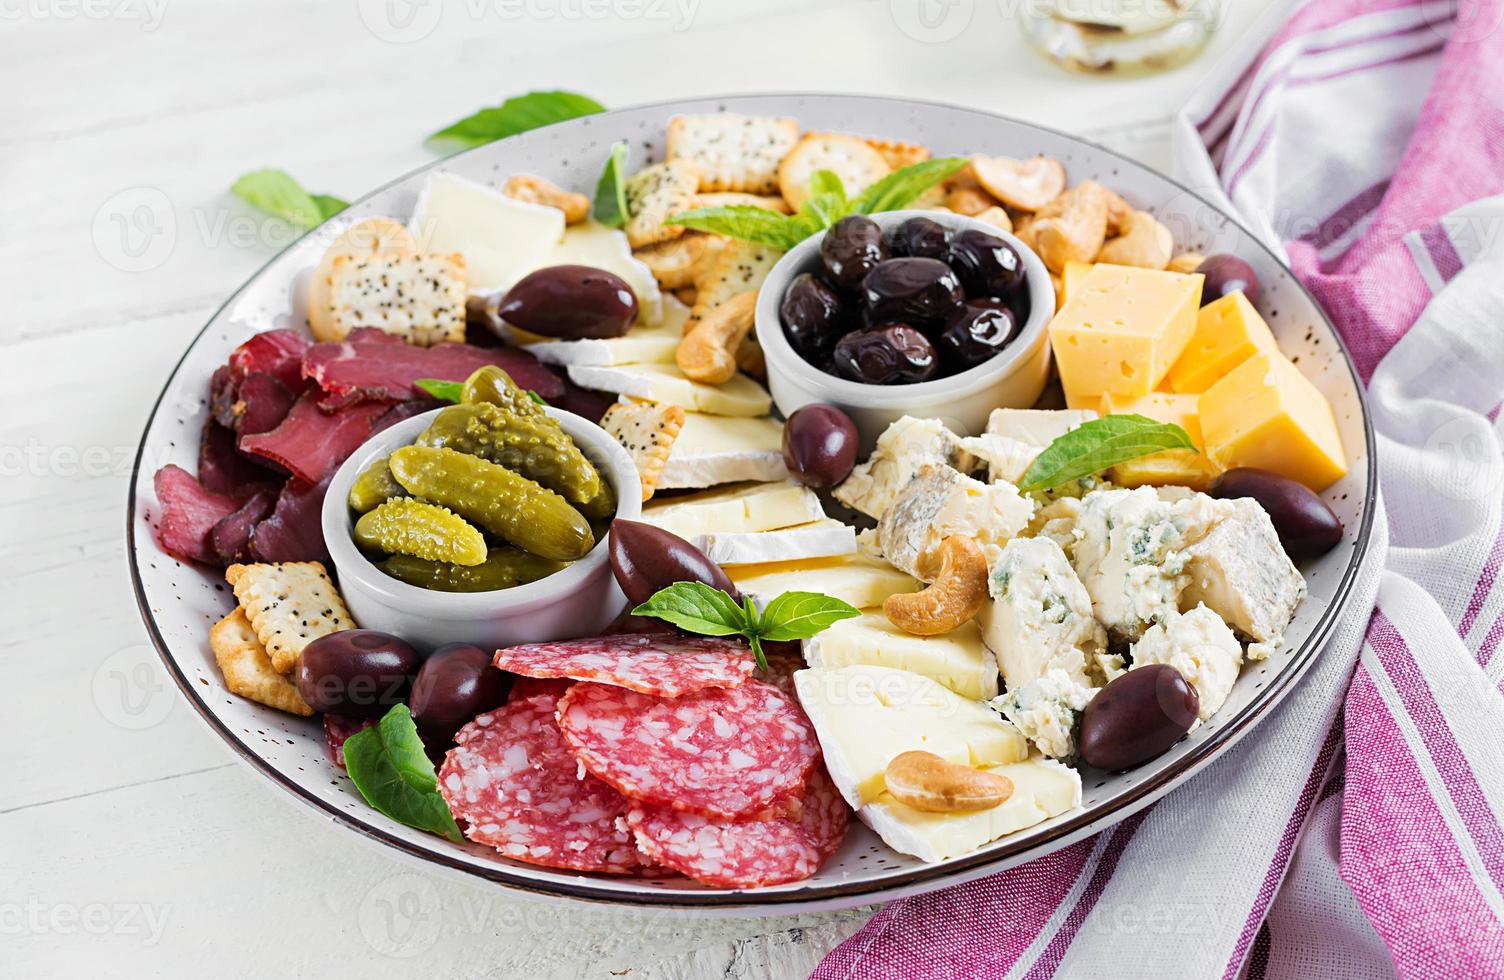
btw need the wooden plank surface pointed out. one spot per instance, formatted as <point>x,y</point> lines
<point>130,838</point>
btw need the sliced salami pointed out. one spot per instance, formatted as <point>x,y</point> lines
<point>514,782</point>
<point>747,853</point>
<point>531,687</point>
<point>337,730</point>
<point>725,752</point>
<point>663,664</point>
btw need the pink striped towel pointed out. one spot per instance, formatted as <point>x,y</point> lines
<point>1357,832</point>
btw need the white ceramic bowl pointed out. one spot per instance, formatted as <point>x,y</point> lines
<point>580,600</point>
<point>1012,379</point>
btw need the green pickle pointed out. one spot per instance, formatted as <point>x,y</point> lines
<point>423,530</point>
<point>504,568</point>
<point>534,446</point>
<point>374,487</point>
<point>491,385</point>
<point>500,501</point>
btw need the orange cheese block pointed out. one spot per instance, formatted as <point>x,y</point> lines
<point>1173,467</point>
<point>1071,278</point>
<point>1122,328</point>
<point>1265,413</point>
<point>1228,332</point>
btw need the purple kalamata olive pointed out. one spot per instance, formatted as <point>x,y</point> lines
<point>645,559</point>
<point>919,238</point>
<point>819,445</point>
<point>356,673</point>
<point>1305,524</point>
<point>975,333</point>
<point>570,302</point>
<point>891,355</point>
<point>987,265</point>
<point>852,248</point>
<point>920,293</point>
<point>1137,717</point>
<point>1227,274</point>
<point>455,683</point>
<point>814,317</point>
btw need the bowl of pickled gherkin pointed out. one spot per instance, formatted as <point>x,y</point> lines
<point>482,521</point>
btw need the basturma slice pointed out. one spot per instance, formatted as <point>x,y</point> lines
<point>747,853</point>
<point>725,752</point>
<point>662,664</point>
<point>517,787</point>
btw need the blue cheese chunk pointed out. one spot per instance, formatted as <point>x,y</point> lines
<point>1199,645</point>
<point>905,447</point>
<point>940,503</point>
<point>1240,571</point>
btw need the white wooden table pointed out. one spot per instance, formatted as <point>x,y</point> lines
<point>131,841</point>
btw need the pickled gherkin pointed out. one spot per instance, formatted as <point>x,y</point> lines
<point>374,487</point>
<point>500,501</point>
<point>533,446</point>
<point>493,386</point>
<point>504,568</point>
<point>423,530</point>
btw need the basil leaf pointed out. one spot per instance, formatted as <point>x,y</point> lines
<point>610,207</point>
<point>800,615</point>
<point>744,221</point>
<point>1096,445</point>
<point>386,762</point>
<point>517,115</point>
<point>329,205</point>
<point>444,391</point>
<point>899,189</point>
<point>820,211</point>
<point>826,182</point>
<point>275,192</point>
<point>697,607</point>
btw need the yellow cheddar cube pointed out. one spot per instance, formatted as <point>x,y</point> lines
<point>1122,328</point>
<point>1074,399</point>
<point>1265,413</point>
<point>1228,332</point>
<point>1173,467</point>
<point>1071,278</point>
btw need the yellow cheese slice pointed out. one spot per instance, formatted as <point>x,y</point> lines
<point>1228,332</point>
<point>1173,467</point>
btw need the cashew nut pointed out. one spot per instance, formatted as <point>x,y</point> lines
<point>364,239</point>
<point>955,594</point>
<point>927,782</point>
<point>674,262</point>
<point>1144,242</point>
<point>969,200</point>
<point>1027,185</point>
<point>996,217</point>
<point>1118,210</point>
<point>1186,262</point>
<point>536,190</point>
<point>1077,231</point>
<point>708,352</point>
<point>750,359</point>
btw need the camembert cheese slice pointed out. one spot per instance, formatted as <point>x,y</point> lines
<point>741,508</point>
<point>861,580</point>
<point>959,660</point>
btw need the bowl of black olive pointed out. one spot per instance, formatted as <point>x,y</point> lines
<point>907,313</point>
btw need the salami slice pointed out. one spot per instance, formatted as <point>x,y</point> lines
<point>725,752</point>
<point>663,664</point>
<point>747,853</point>
<point>337,730</point>
<point>531,687</point>
<point>515,783</point>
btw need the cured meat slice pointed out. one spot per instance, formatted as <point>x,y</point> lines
<point>513,781</point>
<point>188,513</point>
<point>223,469</point>
<point>726,752</point>
<point>294,531</point>
<point>747,853</point>
<point>278,353</point>
<point>530,687</point>
<point>231,537</point>
<point>402,411</point>
<point>261,403</point>
<point>664,664</point>
<point>311,442</point>
<point>363,367</point>
<point>337,730</point>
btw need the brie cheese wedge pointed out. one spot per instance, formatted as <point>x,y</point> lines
<point>817,539</point>
<point>741,396</point>
<point>716,449</point>
<point>643,344</point>
<point>502,239</point>
<point>741,508</point>
<point>957,659</point>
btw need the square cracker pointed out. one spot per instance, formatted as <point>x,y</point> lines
<point>734,152</point>
<point>739,267</point>
<point>289,605</point>
<point>420,298</point>
<point>647,430</point>
<point>653,194</point>
<point>248,670</point>
<point>900,154</point>
<point>850,158</point>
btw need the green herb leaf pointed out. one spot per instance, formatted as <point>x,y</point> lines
<point>444,391</point>
<point>329,205</point>
<point>1096,445</point>
<point>517,115</point>
<point>899,189</point>
<point>747,222</point>
<point>800,615</point>
<point>820,211</point>
<point>537,398</point>
<point>826,182</point>
<point>388,765</point>
<point>275,192</point>
<point>698,608</point>
<point>610,207</point>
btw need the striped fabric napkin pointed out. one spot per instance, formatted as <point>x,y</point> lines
<point>1357,831</point>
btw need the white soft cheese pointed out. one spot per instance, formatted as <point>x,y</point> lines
<point>716,449</point>
<point>905,447</point>
<point>958,659</point>
<point>502,239</point>
<point>817,539</point>
<point>1201,647</point>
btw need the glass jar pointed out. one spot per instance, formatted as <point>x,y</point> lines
<point>1119,36</point>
